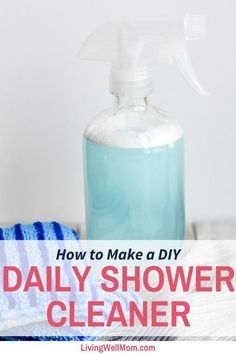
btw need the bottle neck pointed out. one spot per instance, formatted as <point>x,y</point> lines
<point>128,101</point>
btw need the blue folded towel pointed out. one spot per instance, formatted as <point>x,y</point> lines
<point>46,231</point>
<point>41,231</point>
<point>38,231</point>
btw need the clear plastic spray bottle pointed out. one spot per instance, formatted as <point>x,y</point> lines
<point>133,151</point>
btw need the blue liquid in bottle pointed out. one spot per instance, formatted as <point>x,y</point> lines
<point>134,193</point>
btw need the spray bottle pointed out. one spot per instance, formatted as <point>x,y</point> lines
<point>133,151</point>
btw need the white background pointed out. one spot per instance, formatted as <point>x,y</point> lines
<point>47,97</point>
<point>161,347</point>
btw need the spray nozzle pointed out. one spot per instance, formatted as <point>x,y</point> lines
<point>133,47</point>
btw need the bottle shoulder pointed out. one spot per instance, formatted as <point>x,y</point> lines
<point>133,127</point>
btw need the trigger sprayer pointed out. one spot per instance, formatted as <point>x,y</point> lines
<point>133,152</point>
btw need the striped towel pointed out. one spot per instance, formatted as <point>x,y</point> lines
<point>40,231</point>
<point>28,307</point>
